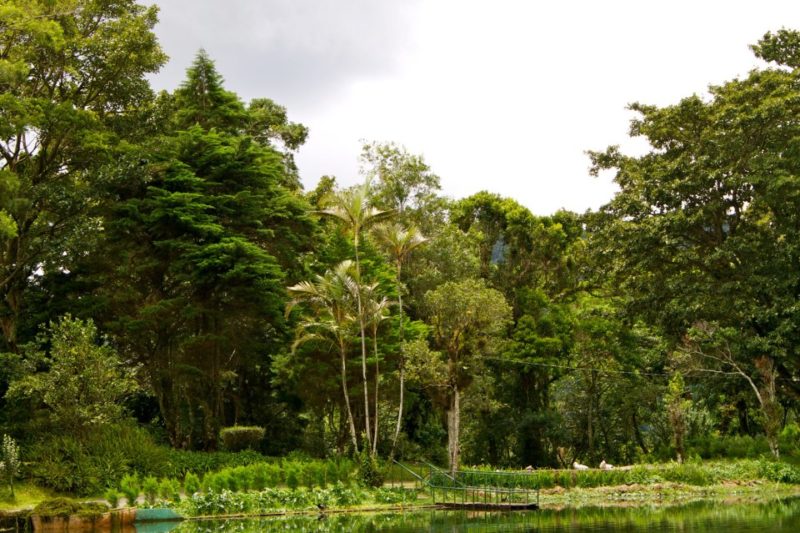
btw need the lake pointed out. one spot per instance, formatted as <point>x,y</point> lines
<point>731,517</point>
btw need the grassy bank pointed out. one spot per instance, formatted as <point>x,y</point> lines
<point>298,486</point>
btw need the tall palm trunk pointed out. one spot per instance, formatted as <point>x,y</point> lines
<point>353,436</point>
<point>377,380</point>
<point>363,348</point>
<point>401,364</point>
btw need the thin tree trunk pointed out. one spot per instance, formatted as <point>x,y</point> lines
<point>453,428</point>
<point>401,364</point>
<point>377,378</point>
<point>363,347</point>
<point>353,436</point>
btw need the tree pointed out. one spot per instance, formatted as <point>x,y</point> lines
<point>402,182</point>
<point>710,349</point>
<point>329,298</point>
<point>398,243</point>
<point>376,309</point>
<point>705,226</point>
<point>352,207</point>
<point>82,384</point>
<point>467,322</point>
<point>204,237</point>
<point>71,75</point>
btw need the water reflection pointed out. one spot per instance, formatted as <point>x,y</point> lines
<point>776,516</point>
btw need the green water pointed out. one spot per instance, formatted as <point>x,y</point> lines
<point>775,516</point>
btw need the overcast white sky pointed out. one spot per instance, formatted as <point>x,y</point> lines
<point>499,95</point>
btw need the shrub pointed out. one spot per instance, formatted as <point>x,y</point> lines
<point>191,483</point>
<point>150,489</point>
<point>369,471</point>
<point>181,461</point>
<point>9,461</point>
<point>292,479</point>
<point>778,472</point>
<point>260,476</point>
<point>96,460</point>
<point>130,488</point>
<point>238,438</point>
<point>169,489</point>
<point>112,495</point>
<point>65,507</point>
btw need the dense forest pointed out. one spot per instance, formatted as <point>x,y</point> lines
<point>165,278</point>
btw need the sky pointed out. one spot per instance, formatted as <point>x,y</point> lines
<point>501,95</point>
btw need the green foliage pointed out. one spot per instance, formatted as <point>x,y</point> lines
<point>169,490</point>
<point>65,507</point>
<point>130,486</point>
<point>96,460</point>
<point>69,70</point>
<point>150,489</point>
<point>191,483</point>
<point>112,495</point>
<point>180,462</point>
<point>779,472</point>
<point>84,383</point>
<point>369,471</point>
<point>9,461</point>
<point>728,446</point>
<point>292,477</point>
<point>690,473</point>
<point>204,232</point>
<point>238,438</point>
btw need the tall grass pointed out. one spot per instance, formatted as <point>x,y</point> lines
<point>694,473</point>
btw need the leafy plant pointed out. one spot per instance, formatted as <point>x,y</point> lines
<point>191,483</point>
<point>9,461</point>
<point>112,495</point>
<point>369,472</point>
<point>238,438</point>
<point>130,488</point>
<point>150,489</point>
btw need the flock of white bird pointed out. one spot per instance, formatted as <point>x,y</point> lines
<point>603,466</point>
<point>577,466</point>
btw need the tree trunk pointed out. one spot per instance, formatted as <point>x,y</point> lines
<point>637,433</point>
<point>363,349</point>
<point>377,378</point>
<point>453,428</point>
<point>353,436</point>
<point>10,318</point>
<point>770,407</point>
<point>401,364</point>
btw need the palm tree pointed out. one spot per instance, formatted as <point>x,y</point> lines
<point>398,242</point>
<point>352,207</point>
<point>376,308</point>
<point>329,298</point>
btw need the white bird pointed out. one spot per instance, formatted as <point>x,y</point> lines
<point>577,466</point>
<point>605,466</point>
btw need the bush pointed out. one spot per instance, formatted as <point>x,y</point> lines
<point>191,483</point>
<point>169,489</point>
<point>96,460</point>
<point>112,495</point>
<point>64,507</point>
<point>130,488</point>
<point>180,461</point>
<point>150,489</point>
<point>238,438</point>
<point>778,472</point>
<point>369,471</point>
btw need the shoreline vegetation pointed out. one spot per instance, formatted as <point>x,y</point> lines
<point>238,492</point>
